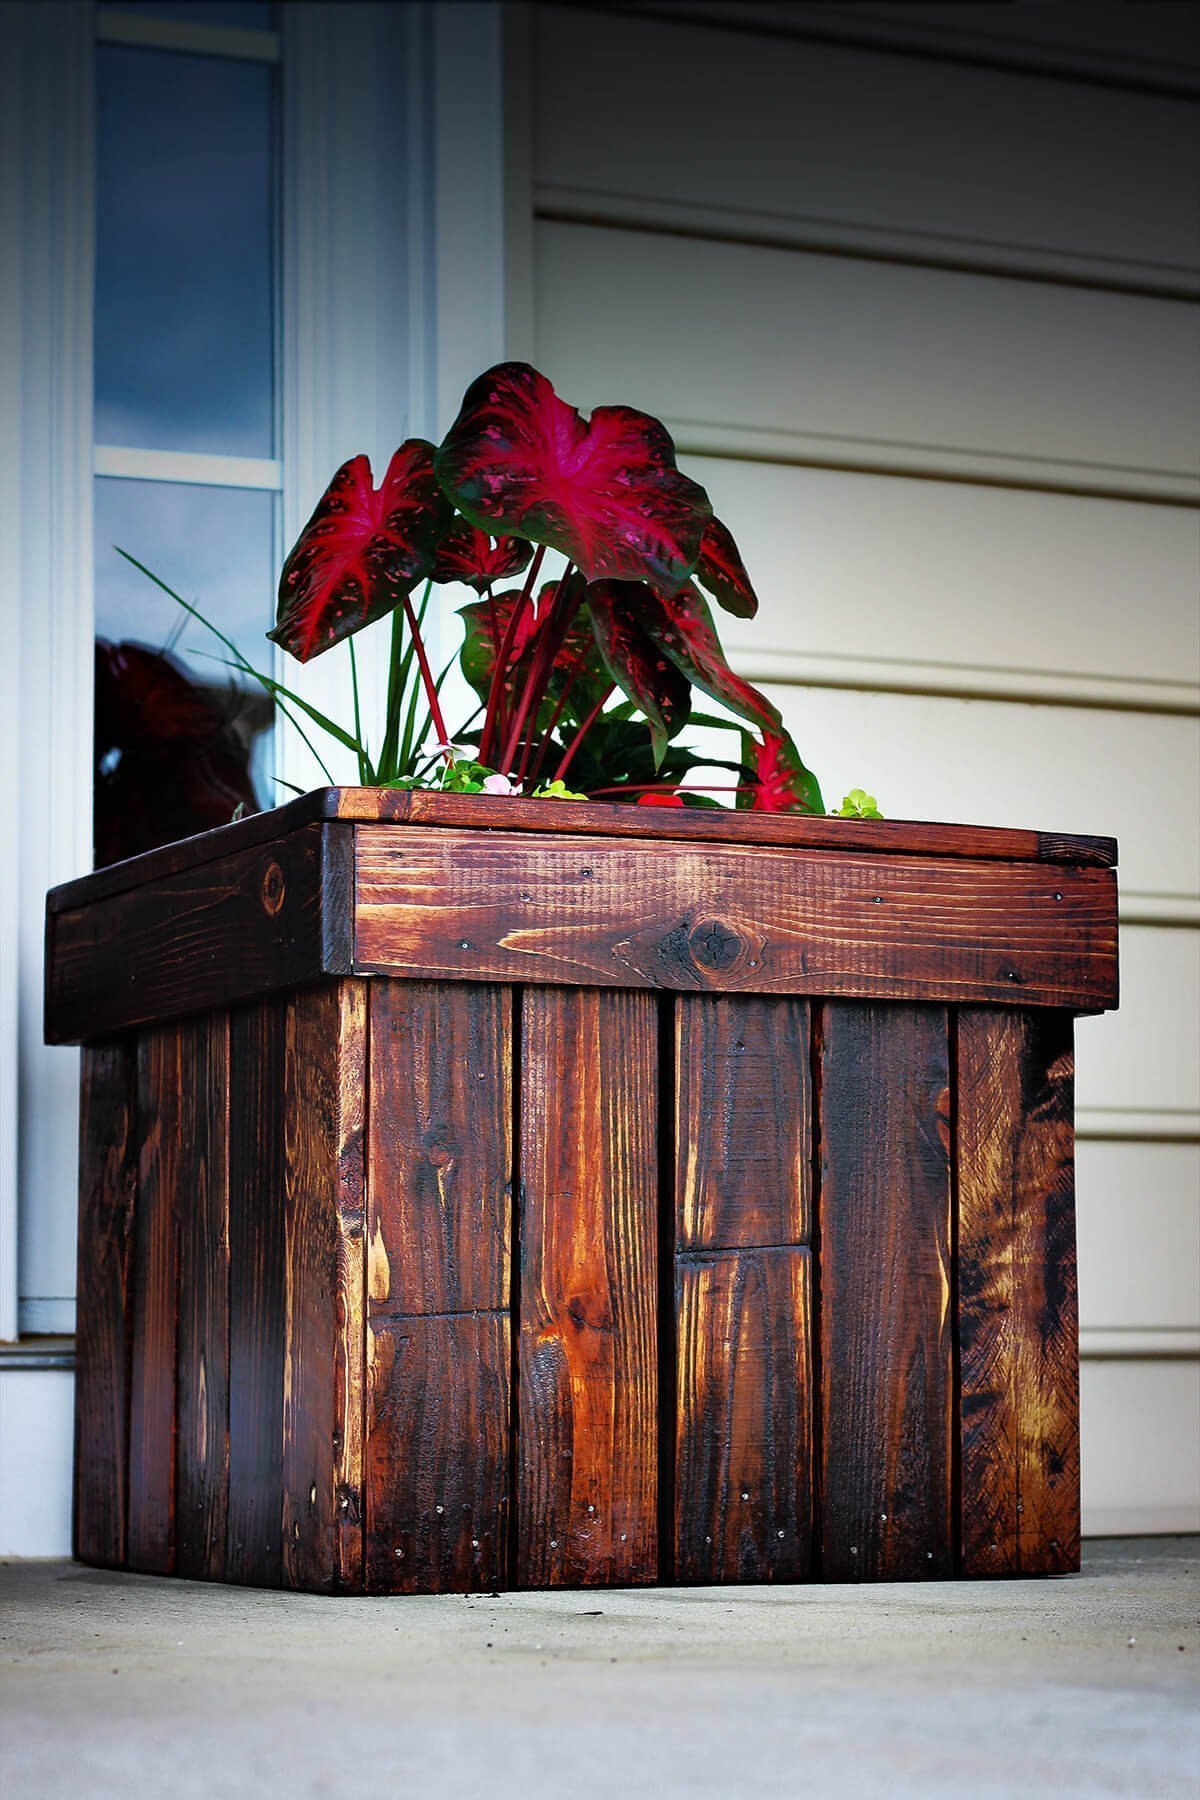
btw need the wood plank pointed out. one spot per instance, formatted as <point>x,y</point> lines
<point>488,812</point>
<point>150,1535</point>
<point>437,1454</point>
<point>323,1382</point>
<point>884,1293</point>
<point>743,1475</point>
<point>247,924</point>
<point>253,1550</point>
<point>107,1187</point>
<point>439,1148</point>
<point>1018,1315</point>
<point>587,1389</point>
<point>744,1121</point>
<point>202,1365</point>
<point>456,906</point>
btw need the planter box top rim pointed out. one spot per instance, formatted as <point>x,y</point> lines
<point>487,812</point>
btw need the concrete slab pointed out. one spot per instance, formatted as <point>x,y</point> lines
<point>128,1685</point>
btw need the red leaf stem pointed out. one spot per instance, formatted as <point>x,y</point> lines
<point>495,706</point>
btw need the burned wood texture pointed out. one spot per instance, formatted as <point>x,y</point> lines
<point>743,1477</point>
<point>107,1182</point>
<point>452,905</point>
<point>323,1375</point>
<point>887,1403</point>
<point>250,923</point>
<point>587,1425</point>
<point>1017,1303</point>
<point>257,1038</point>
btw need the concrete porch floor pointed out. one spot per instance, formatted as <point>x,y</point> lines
<point>130,1686</point>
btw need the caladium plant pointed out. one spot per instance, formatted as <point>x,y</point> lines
<point>586,672</point>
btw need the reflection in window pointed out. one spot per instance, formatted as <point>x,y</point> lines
<point>181,739</point>
<point>184,253</point>
<point>206,12</point>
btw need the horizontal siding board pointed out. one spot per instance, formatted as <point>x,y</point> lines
<point>1085,387</point>
<point>1144,1279</point>
<point>1146,1056</point>
<point>1083,174</point>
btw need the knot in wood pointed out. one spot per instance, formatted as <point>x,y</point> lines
<point>273,888</point>
<point>714,945</point>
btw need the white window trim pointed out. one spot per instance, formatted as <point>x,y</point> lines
<point>394,169</point>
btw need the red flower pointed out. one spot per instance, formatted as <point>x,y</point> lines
<point>655,799</point>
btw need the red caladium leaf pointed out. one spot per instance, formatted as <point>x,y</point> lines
<point>576,659</point>
<point>653,682</point>
<point>605,491</point>
<point>722,571</point>
<point>468,554</point>
<point>683,627</point>
<point>782,783</point>
<point>362,551</point>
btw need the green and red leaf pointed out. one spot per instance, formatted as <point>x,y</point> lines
<point>472,556</point>
<point>722,572</point>
<point>605,491</point>
<point>364,549</point>
<point>683,627</point>
<point>781,781</point>
<point>636,663</point>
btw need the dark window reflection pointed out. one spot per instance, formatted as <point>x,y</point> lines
<point>184,253</point>
<point>206,12</point>
<point>181,739</point>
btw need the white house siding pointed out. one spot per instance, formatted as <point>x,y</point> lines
<point>919,306</point>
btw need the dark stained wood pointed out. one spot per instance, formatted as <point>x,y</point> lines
<point>107,1183</point>
<point>587,1390</point>
<point>454,906</point>
<point>150,1533</point>
<point>256,1292</point>
<point>439,1148</point>
<point>323,1382</point>
<point>245,925</point>
<point>202,1392</point>
<point>743,1475</point>
<point>1017,1305</point>
<point>744,1123</point>
<point>437,1454</point>
<point>487,812</point>
<point>884,1293</point>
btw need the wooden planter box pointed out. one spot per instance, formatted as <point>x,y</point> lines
<point>788,1290</point>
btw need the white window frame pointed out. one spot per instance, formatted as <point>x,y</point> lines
<point>394,167</point>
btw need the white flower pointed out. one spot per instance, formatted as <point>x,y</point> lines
<point>499,784</point>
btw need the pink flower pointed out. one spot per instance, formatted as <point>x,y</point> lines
<point>499,784</point>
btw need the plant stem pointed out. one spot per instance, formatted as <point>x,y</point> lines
<point>495,702</point>
<point>572,747</point>
<point>431,693</point>
<point>364,765</point>
<point>553,633</point>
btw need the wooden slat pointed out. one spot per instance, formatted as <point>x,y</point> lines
<point>202,1393</point>
<point>587,1391</point>
<point>150,1535</point>
<point>438,1235</point>
<point>107,1182</point>
<point>744,1123</point>
<point>247,924</point>
<point>885,1294</point>
<point>256,1293</point>
<point>487,813</point>
<point>323,1380</point>
<point>456,906</point>
<point>1017,1303</point>
<point>437,1454</point>
<point>743,1476</point>
<point>440,1147</point>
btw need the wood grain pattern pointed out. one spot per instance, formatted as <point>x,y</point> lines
<point>743,1121</point>
<point>437,1454</point>
<point>150,1533</point>
<point>1017,1303</point>
<point>202,1358</point>
<point>726,918</point>
<point>587,1391</point>
<point>253,1550</point>
<point>743,1476</point>
<point>439,1148</point>
<point>107,1185</point>
<point>247,924</point>
<point>486,812</point>
<point>884,1293</point>
<point>323,1381</point>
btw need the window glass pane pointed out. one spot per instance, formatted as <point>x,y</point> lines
<point>184,253</point>
<point>181,741</point>
<point>205,12</point>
